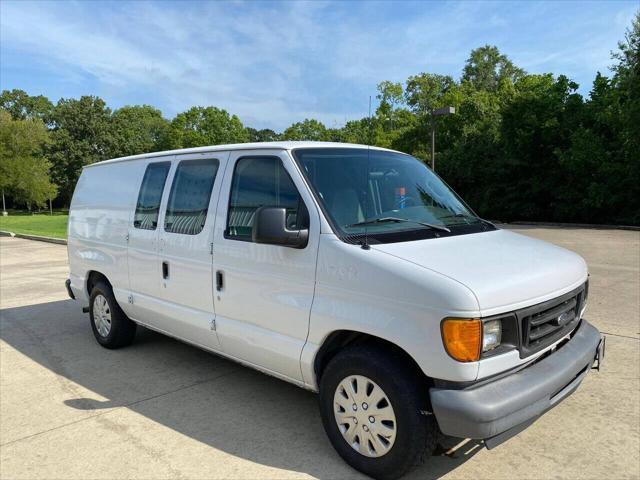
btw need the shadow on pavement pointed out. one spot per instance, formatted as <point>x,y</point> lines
<point>210,399</point>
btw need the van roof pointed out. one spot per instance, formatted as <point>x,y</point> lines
<point>289,145</point>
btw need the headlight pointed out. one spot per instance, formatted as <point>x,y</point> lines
<point>491,335</point>
<point>465,339</point>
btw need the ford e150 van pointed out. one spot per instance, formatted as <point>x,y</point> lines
<point>348,270</point>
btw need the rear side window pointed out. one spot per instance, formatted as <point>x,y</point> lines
<point>258,182</point>
<point>148,206</point>
<point>190,194</point>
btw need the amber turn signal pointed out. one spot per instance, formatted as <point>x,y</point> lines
<point>462,338</point>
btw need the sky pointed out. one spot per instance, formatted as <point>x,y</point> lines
<point>273,63</point>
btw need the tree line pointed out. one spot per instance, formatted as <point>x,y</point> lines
<point>521,146</point>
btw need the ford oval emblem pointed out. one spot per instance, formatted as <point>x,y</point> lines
<point>563,319</point>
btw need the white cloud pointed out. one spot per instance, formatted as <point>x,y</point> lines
<point>273,64</point>
<point>212,57</point>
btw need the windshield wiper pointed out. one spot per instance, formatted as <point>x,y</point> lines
<point>459,215</point>
<point>467,217</point>
<point>397,219</point>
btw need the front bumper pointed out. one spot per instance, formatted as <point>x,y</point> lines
<point>497,410</point>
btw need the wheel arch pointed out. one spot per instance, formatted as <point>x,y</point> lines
<point>93,277</point>
<point>340,339</point>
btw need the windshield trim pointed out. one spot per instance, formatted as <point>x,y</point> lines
<point>396,236</point>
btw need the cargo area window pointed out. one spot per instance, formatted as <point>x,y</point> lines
<point>262,182</point>
<point>150,195</point>
<point>190,194</point>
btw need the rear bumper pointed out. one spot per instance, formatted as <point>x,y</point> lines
<point>67,284</point>
<point>498,410</point>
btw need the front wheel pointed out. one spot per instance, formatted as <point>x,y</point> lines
<point>373,408</point>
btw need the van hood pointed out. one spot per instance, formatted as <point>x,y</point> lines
<point>504,270</point>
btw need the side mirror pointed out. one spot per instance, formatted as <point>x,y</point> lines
<point>270,226</point>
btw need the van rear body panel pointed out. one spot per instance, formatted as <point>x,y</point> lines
<point>99,217</point>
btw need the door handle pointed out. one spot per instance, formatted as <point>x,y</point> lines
<point>219,280</point>
<point>165,270</point>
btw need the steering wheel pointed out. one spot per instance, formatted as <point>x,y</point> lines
<point>407,199</point>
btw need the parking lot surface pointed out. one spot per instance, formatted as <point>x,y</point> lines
<point>163,409</point>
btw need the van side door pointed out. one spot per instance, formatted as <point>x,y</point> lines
<point>264,292</point>
<point>185,248</point>
<point>142,251</point>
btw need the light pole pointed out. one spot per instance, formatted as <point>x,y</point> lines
<point>437,113</point>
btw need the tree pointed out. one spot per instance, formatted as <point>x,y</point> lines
<point>536,130</point>
<point>392,119</point>
<point>628,56</point>
<point>81,135</point>
<point>626,81</point>
<point>470,150</point>
<point>22,106</point>
<point>355,131</point>
<point>138,129</point>
<point>391,96</point>
<point>486,68</point>
<point>425,91</point>
<point>24,172</point>
<point>525,147</point>
<point>308,129</point>
<point>603,161</point>
<point>264,135</point>
<point>201,126</point>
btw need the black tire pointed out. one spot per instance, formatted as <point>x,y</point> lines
<point>122,330</point>
<point>416,433</point>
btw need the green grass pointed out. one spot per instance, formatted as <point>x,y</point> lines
<point>42,224</point>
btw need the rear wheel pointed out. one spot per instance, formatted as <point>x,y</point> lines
<point>111,327</point>
<point>373,409</point>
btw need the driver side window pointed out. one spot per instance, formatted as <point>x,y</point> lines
<point>262,182</point>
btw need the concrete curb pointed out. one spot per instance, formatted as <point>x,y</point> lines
<point>576,225</point>
<point>59,241</point>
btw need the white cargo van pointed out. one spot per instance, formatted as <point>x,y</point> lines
<point>349,270</point>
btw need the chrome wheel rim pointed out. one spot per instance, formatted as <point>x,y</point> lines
<point>102,315</point>
<point>365,416</point>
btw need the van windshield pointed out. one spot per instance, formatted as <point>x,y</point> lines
<point>390,196</point>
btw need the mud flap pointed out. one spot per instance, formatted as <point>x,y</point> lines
<point>597,361</point>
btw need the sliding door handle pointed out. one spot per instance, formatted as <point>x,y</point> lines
<point>219,280</point>
<point>165,270</point>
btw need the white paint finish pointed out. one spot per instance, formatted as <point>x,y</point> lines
<point>100,212</point>
<point>505,270</point>
<point>285,145</point>
<point>144,267</point>
<point>279,304</point>
<point>371,292</point>
<point>262,313</point>
<point>187,293</point>
<point>255,366</point>
<point>78,288</point>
